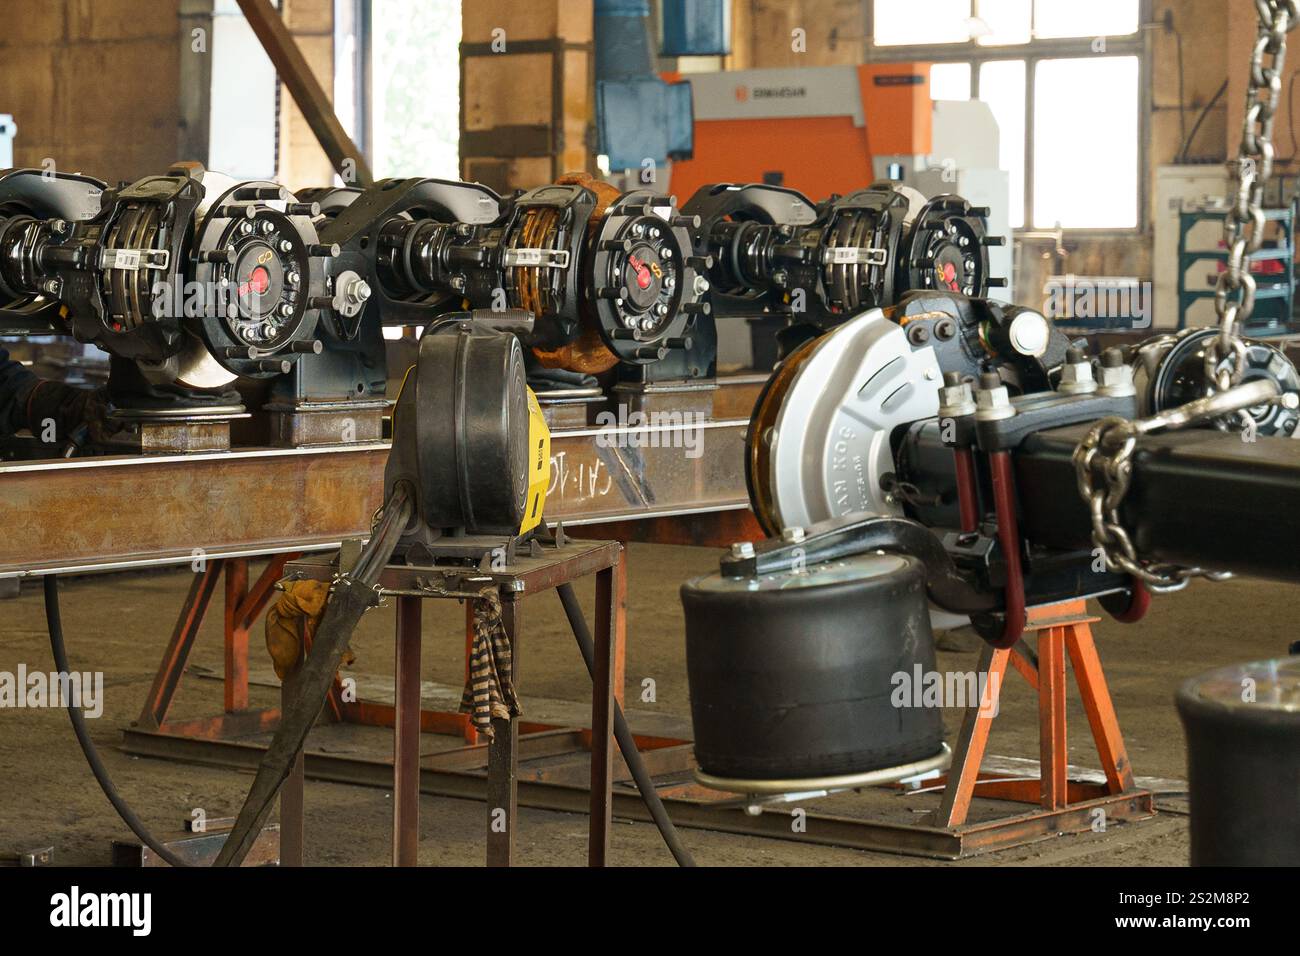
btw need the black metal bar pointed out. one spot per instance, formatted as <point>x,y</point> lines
<point>1198,497</point>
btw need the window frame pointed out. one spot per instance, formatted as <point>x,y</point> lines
<point>1032,53</point>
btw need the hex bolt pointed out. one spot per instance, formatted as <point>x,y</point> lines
<point>742,549</point>
<point>992,401</point>
<point>1115,377</point>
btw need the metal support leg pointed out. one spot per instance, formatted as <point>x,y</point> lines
<point>1099,708</point>
<point>503,758</point>
<point>468,732</point>
<point>620,627</point>
<point>1053,753</point>
<point>236,684</point>
<point>168,676</point>
<point>609,586</point>
<point>406,735</point>
<point>292,796</point>
<point>971,741</point>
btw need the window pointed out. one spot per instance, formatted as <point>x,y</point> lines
<point>1002,87</point>
<point>1065,72</point>
<point>243,107</point>
<point>950,81</point>
<point>903,22</point>
<point>415,57</point>
<point>1082,110</point>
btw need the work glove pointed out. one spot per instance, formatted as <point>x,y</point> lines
<point>302,602</point>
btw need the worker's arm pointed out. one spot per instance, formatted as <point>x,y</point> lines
<point>52,411</point>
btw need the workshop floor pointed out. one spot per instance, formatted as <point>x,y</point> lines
<point>120,623</point>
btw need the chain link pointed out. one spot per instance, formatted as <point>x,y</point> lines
<point>1103,461</point>
<point>1243,224</point>
<point>1103,465</point>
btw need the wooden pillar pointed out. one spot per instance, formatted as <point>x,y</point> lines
<point>303,162</point>
<point>526,91</point>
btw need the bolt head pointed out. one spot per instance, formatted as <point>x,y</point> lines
<point>742,549</point>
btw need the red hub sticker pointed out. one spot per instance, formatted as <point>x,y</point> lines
<point>257,282</point>
<point>642,273</point>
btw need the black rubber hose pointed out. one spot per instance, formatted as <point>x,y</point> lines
<point>54,623</point>
<point>623,734</point>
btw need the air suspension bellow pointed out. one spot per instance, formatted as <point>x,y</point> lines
<point>792,675</point>
<point>1243,764</point>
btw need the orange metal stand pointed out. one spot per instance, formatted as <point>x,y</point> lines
<point>1064,806</point>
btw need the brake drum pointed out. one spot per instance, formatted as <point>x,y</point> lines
<point>819,438</point>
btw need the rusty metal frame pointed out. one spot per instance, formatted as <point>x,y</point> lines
<point>147,510</point>
<point>1064,806</point>
<point>492,772</point>
<point>606,560</point>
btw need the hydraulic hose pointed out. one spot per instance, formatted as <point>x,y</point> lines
<point>623,733</point>
<point>353,594</point>
<point>54,623</point>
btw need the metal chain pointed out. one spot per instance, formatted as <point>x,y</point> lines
<point>1103,465</point>
<point>1103,461</point>
<point>1243,225</point>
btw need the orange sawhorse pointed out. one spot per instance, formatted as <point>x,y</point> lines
<point>1063,805</point>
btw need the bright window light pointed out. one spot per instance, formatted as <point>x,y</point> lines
<point>950,81</point>
<point>1008,21</point>
<point>1086,132</point>
<point>1091,18</point>
<point>1002,86</point>
<point>415,57</point>
<point>903,22</point>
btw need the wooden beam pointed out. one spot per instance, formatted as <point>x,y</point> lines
<point>306,91</point>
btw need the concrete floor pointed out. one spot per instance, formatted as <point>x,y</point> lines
<point>120,623</point>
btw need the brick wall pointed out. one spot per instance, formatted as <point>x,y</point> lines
<point>92,84</point>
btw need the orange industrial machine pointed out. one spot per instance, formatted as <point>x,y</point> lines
<point>820,130</point>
